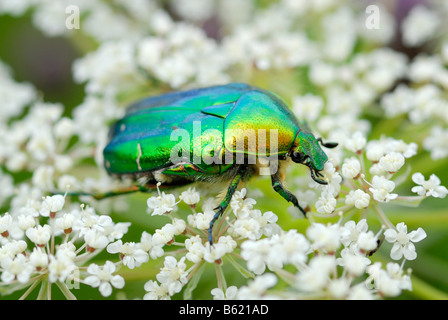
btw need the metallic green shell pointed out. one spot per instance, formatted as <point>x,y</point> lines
<point>143,140</point>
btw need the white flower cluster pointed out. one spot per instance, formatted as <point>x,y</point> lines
<point>317,265</point>
<point>57,249</point>
<point>319,55</point>
<point>248,223</point>
<point>329,260</point>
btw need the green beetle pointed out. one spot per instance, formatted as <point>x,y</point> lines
<point>220,133</point>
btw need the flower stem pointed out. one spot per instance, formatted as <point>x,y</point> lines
<point>30,289</point>
<point>67,293</point>
<point>244,272</point>
<point>382,216</point>
<point>42,290</point>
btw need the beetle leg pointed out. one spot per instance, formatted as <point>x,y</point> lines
<point>242,170</point>
<point>287,195</point>
<point>182,169</point>
<point>118,192</point>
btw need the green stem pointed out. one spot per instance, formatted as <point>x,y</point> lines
<point>287,276</point>
<point>42,290</point>
<point>244,272</point>
<point>220,277</point>
<point>382,216</point>
<point>30,289</point>
<point>67,293</point>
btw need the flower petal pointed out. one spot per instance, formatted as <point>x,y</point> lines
<point>417,235</point>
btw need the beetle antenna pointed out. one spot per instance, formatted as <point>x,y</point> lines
<point>330,145</point>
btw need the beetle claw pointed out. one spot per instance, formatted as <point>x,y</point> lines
<point>318,180</point>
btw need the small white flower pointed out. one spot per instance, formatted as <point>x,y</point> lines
<point>147,245</point>
<point>163,203</point>
<point>267,222</point>
<point>317,275</point>
<point>326,202</point>
<point>215,252</point>
<point>356,142</point>
<point>437,142</point>
<point>51,205</point>
<point>15,247</point>
<point>381,189</point>
<point>38,258</point>
<point>229,294</point>
<point>26,221</point>
<point>173,274</point>
<point>333,178</point>
<point>95,240</point>
<point>228,243</point>
<point>306,198</point>
<point>324,237</point>
<point>131,255</point>
<point>395,271</point>
<point>256,253</point>
<point>65,222</point>
<point>190,197</point>
<point>389,282</point>
<point>115,231</point>
<point>419,25</point>
<point>60,268</point>
<point>245,228</point>
<point>375,149</point>
<point>40,235</point>
<point>66,250</point>
<point>367,241</point>
<point>360,292</point>
<point>307,107</point>
<point>358,198</point>
<point>391,162</point>
<point>292,247</point>
<point>103,278</point>
<point>179,226</point>
<point>429,187</point>
<point>164,235</point>
<point>201,220</point>
<point>16,268</point>
<point>351,168</point>
<point>241,205</point>
<point>339,288</point>
<point>352,230</point>
<point>403,242</point>
<point>354,263</point>
<point>5,224</point>
<point>156,291</point>
<point>257,288</point>
<point>400,101</point>
<point>195,249</point>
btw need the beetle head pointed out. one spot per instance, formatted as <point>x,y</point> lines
<point>307,151</point>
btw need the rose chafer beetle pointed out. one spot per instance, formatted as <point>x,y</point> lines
<point>223,133</point>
